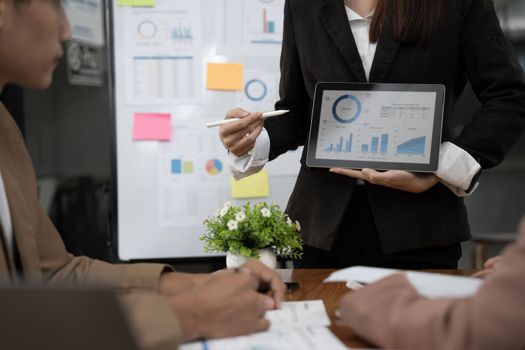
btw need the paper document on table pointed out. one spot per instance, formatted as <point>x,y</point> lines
<point>296,314</point>
<point>430,285</point>
<point>309,338</point>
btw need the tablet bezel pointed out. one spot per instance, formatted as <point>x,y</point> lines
<point>320,87</point>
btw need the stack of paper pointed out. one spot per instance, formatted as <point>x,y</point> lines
<point>430,285</point>
<point>299,325</point>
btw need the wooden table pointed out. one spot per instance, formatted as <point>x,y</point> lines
<point>312,288</point>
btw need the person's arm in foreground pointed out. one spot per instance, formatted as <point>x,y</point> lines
<point>225,303</point>
<point>392,314</point>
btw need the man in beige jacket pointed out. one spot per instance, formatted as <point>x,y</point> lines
<point>390,313</point>
<point>164,307</point>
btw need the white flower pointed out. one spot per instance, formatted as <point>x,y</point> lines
<point>228,205</point>
<point>289,221</point>
<point>298,225</point>
<point>232,225</point>
<point>223,211</point>
<point>218,213</point>
<point>266,212</point>
<point>240,216</point>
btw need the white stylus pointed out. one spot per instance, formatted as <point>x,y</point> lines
<point>232,120</point>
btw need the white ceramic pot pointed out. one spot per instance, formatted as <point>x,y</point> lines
<point>266,256</point>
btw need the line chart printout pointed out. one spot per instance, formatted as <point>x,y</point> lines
<point>387,126</point>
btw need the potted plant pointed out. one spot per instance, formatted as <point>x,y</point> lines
<point>260,231</point>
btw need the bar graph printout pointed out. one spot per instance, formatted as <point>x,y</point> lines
<point>390,126</point>
<point>250,27</point>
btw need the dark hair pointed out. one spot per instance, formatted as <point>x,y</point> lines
<point>412,21</point>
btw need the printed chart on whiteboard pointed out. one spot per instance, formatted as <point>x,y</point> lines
<point>261,90</point>
<point>251,27</point>
<point>163,45</point>
<point>193,176</point>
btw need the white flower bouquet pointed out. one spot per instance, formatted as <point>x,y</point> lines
<point>246,229</point>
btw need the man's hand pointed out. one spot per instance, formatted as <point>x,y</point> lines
<point>270,283</point>
<point>239,137</point>
<point>396,179</point>
<point>225,304</point>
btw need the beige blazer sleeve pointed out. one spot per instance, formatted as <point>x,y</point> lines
<point>42,253</point>
<point>59,267</point>
<point>152,321</point>
<point>44,259</point>
<point>392,314</point>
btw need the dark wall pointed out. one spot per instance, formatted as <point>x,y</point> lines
<point>67,129</point>
<point>12,97</point>
<point>67,134</point>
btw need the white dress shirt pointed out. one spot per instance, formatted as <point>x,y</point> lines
<point>456,168</point>
<point>5,219</point>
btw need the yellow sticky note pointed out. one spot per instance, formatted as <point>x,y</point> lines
<point>138,3</point>
<point>254,186</point>
<point>225,76</point>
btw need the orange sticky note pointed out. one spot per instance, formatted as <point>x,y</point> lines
<point>152,126</point>
<point>225,76</point>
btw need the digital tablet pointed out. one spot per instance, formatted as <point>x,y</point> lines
<point>377,126</point>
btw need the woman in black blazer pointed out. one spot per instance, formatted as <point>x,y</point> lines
<point>393,218</point>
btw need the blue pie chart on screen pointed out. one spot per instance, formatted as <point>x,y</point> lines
<point>346,109</point>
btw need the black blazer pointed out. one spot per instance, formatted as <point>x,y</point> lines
<point>319,46</point>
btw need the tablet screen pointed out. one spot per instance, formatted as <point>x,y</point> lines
<point>377,127</point>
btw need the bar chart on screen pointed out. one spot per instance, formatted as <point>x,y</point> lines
<point>357,126</point>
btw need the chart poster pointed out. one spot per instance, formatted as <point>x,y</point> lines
<point>376,126</point>
<point>193,176</point>
<point>164,45</point>
<point>250,27</point>
<point>86,20</point>
<point>260,90</point>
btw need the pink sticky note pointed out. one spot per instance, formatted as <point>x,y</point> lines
<point>152,126</point>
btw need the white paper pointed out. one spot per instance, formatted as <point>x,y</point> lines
<point>310,338</point>
<point>250,27</point>
<point>86,21</point>
<point>296,314</point>
<point>430,285</point>
<point>193,176</point>
<point>163,48</point>
<point>261,90</point>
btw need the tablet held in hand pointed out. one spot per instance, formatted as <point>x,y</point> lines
<point>377,126</point>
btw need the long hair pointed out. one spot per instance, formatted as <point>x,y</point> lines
<point>412,21</point>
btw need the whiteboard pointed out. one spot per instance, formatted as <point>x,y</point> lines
<point>165,189</point>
